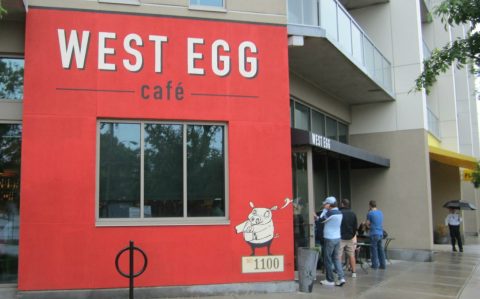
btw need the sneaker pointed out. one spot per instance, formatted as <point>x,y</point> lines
<point>327,283</point>
<point>340,283</point>
<point>354,275</point>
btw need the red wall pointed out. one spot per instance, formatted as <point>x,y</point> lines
<point>60,246</point>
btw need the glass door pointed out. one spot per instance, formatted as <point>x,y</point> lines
<point>10,144</point>
<point>303,206</point>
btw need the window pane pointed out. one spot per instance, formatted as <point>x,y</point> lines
<point>302,117</point>
<point>333,178</point>
<point>207,2</point>
<point>163,170</point>
<point>342,133</point>
<point>291,113</point>
<point>318,123</point>
<point>345,178</point>
<point>331,128</point>
<point>205,171</point>
<point>119,170</point>
<point>300,194</point>
<point>319,179</point>
<point>11,78</point>
<point>10,148</point>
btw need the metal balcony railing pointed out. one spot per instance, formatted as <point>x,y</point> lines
<point>433,123</point>
<point>349,37</point>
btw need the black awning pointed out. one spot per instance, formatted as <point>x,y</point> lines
<point>359,158</point>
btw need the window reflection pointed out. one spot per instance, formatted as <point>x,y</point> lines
<point>119,170</point>
<point>10,148</point>
<point>163,170</point>
<point>205,170</point>
<point>167,150</point>
<point>218,3</point>
<point>11,78</point>
<point>306,118</point>
<point>331,129</point>
<point>302,117</point>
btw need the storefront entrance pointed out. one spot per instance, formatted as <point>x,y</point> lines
<point>10,145</point>
<point>320,168</point>
<point>316,174</point>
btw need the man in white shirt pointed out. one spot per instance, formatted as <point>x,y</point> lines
<point>332,217</point>
<point>453,221</point>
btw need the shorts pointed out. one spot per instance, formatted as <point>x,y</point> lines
<point>348,246</point>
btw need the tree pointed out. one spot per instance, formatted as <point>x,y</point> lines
<point>11,79</point>
<point>463,51</point>
<point>3,11</point>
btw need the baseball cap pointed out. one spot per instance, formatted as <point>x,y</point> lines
<point>329,200</point>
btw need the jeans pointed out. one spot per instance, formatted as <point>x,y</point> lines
<point>332,247</point>
<point>377,253</point>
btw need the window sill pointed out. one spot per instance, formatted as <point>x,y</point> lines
<point>162,222</point>
<point>207,8</point>
<point>2,100</point>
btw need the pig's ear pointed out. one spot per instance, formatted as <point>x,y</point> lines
<point>252,205</point>
<point>274,208</point>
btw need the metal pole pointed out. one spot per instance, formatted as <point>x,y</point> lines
<point>131,270</point>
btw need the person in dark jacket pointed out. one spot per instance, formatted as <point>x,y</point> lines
<point>348,231</point>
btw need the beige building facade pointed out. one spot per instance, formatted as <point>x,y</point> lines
<point>431,140</point>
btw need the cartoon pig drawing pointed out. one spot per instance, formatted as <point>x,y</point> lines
<point>258,230</point>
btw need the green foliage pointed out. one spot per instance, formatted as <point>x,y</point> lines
<point>476,176</point>
<point>11,79</point>
<point>460,52</point>
<point>3,11</point>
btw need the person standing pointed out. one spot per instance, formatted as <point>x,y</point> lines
<point>348,231</point>
<point>375,224</point>
<point>332,218</point>
<point>453,221</point>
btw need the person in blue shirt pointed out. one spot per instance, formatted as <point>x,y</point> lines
<point>375,224</point>
<point>332,218</point>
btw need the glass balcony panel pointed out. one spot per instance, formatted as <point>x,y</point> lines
<point>344,31</point>
<point>433,123</point>
<point>328,17</point>
<point>426,51</point>
<point>295,11</point>
<point>378,74</point>
<point>368,55</point>
<point>310,12</point>
<point>387,75</point>
<point>340,27</point>
<point>357,45</point>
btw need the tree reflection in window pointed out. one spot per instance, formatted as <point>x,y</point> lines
<point>205,170</point>
<point>119,170</point>
<point>11,78</point>
<point>163,170</point>
<point>10,149</point>
<point>165,158</point>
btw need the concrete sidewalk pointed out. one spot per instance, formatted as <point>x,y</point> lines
<point>451,275</point>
